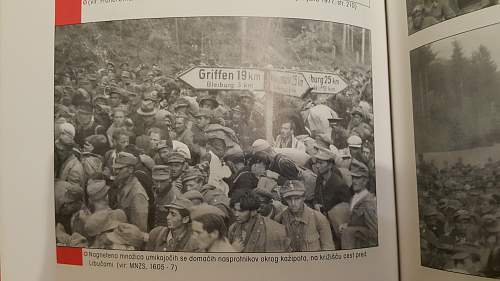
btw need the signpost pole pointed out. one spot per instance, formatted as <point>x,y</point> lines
<point>269,106</point>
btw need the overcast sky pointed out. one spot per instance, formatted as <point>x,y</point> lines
<point>470,41</point>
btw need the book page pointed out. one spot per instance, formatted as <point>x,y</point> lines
<point>444,81</point>
<point>198,140</point>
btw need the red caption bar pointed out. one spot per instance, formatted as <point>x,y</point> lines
<point>69,255</point>
<point>68,12</point>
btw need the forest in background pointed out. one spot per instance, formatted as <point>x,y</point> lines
<point>456,101</point>
<point>176,43</point>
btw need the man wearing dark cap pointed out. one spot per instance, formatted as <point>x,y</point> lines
<point>253,233</point>
<point>176,236</point>
<point>339,134</point>
<point>68,200</point>
<point>176,161</point>
<point>242,177</point>
<point>331,195</point>
<point>163,192</point>
<point>192,179</point>
<point>358,126</point>
<point>131,197</point>
<point>361,230</point>
<point>307,229</point>
<point>85,124</point>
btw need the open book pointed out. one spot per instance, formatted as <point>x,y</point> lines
<point>238,140</point>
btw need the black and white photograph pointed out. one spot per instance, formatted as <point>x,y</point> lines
<point>425,13</point>
<point>228,134</point>
<point>456,110</point>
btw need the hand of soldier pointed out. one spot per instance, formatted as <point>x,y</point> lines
<point>318,207</point>
<point>238,245</point>
<point>88,147</point>
<point>342,227</point>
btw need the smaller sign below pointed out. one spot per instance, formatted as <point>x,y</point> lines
<point>288,83</point>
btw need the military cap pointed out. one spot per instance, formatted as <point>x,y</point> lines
<point>358,111</point>
<point>217,131</point>
<point>208,98</point>
<point>92,77</point>
<point>236,109</point>
<point>150,95</point>
<point>104,220</point>
<point>203,112</point>
<point>124,159</point>
<point>324,154</point>
<point>162,145</point>
<point>193,194</point>
<point>126,234</point>
<point>260,145</point>
<point>202,209</point>
<point>359,169</point>
<point>66,192</point>
<point>115,90</point>
<point>85,108</point>
<point>354,141</point>
<point>100,96</point>
<point>462,214</point>
<point>191,174</point>
<point>247,94</point>
<point>161,173</point>
<point>179,203</point>
<point>97,189</point>
<point>293,187</point>
<point>68,129</point>
<point>176,157</point>
<point>126,74</point>
<point>235,157</point>
<point>461,255</point>
<point>145,110</point>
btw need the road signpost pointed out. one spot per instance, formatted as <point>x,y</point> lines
<point>325,82</point>
<point>223,78</point>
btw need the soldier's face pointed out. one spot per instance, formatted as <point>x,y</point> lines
<point>295,203</point>
<point>217,146</point>
<point>83,117</point>
<point>200,235</point>
<point>485,207</point>
<point>174,219</point>
<point>240,215</point>
<point>320,166</point>
<point>122,173</point>
<point>194,184</point>
<point>118,118</point>
<point>236,116</point>
<point>202,121</point>
<point>155,140</point>
<point>179,125</point>
<point>121,142</point>
<point>176,169</point>
<point>161,186</point>
<point>356,119</point>
<point>258,169</point>
<point>286,129</point>
<point>114,100</point>
<point>164,153</point>
<point>246,103</point>
<point>359,183</point>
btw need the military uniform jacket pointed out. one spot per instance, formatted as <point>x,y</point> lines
<point>332,191</point>
<point>364,214</point>
<point>311,230</point>
<point>158,241</point>
<point>133,200</point>
<point>72,171</point>
<point>261,234</point>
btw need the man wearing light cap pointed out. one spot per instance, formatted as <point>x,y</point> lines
<point>307,229</point>
<point>97,192</point>
<point>132,197</point>
<point>176,236</point>
<point>277,162</point>
<point>361,230</point>
<point>163,192</point>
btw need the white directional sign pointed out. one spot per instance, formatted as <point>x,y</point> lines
<point>287,83</point>
<point>224,78</point>
<point>323,82</point>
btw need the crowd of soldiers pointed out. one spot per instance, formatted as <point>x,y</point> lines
<point>144,162</point>
<point>460,217</point>
<point>429,12</point>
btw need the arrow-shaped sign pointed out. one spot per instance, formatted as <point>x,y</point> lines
<point>224,78</point>
<point>287,83</point>
<point>324,82</point>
